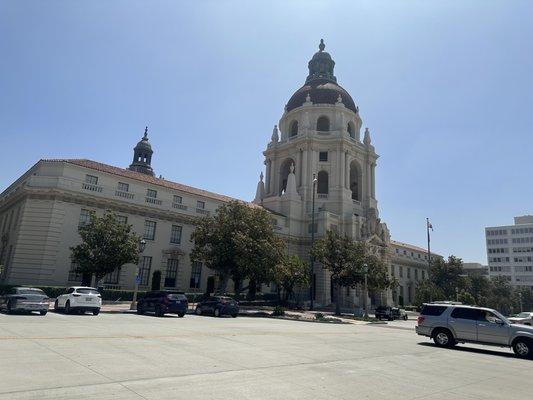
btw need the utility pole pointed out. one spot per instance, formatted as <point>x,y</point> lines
<point>365,290</point>
<point>312,259</point>
<point>133,305</point>
<point>428,225</point>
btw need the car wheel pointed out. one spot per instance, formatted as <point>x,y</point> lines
<point>96,311</point>
<point>523,348</point>
<point>234,315</point>
<point>181,314</point>
<point>9,309</point>
<point>405,317</point>
<point>56,306</point>
<point>198,311</point>
<point>443,338</point>
<point>217,312</point>
<point>43,312</point>
<point>159,312</point>
<point>140,309</point>
<point>67,307</point>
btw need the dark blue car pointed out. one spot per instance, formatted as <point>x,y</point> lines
<point>218,306</point>
<point>163,302</point>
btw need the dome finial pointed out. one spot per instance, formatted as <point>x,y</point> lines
<point>321,46</point>
<point>145,133</point>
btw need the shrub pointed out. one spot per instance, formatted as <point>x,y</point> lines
<point>278,311</point>
<point>319,316</point>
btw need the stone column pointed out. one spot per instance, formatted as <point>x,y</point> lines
<point>304,178</point>
<point>267,175</point>
<point>373,180</point>
<point>298,168</point>
<point>347,171</point>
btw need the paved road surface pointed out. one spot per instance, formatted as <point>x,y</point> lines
<point>115,356</point>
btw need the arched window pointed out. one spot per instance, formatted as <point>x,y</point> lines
<point>355,181</point>
<point>284,174</point>
<point>294,129</point>
<point>322,124</point>
<point>351,130</point>
<point>323,183</point>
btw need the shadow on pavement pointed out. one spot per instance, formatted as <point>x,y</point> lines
<point>471,350</point>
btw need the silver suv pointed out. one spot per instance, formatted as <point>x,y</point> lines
<point>449,324</point>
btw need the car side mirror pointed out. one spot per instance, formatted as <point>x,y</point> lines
<point>499,321</point>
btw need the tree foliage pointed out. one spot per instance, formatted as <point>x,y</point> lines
<point>346,260</point>
<point>447,282</point>
<point>106,245</point>
<point>238,242</point>
<point>290,273</point>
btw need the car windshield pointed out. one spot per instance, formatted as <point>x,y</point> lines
<point>87,291</point>
<point>30,291</point>
<point>500,316</point>
<point>177,296</point>
<point>523,315</point>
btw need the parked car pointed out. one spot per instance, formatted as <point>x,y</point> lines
<point>163,302</point>
<point>390,313</point>
<point>524,318</point>
<point>449,324</point>
<point>79,299</point>
<point>25,299</point>
<point>218,306</point>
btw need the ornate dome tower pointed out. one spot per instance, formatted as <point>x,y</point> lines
<point>316,156</point>
<point>319,134</point>
<point>142,156</point>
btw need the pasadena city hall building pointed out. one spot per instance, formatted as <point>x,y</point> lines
<point>318,136</point>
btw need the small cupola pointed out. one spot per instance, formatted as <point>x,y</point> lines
<point>142,156</point>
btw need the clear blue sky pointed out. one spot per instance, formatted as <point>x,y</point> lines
<point>446,88</point>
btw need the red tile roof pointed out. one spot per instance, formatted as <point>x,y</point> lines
<point>142,177</point>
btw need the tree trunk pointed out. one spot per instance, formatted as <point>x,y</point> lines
<point>278,291</point>
<point>337,299</point>
<point>222,284</point>
<point>252,289</point>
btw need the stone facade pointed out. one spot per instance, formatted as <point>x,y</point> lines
<point>317,149</point>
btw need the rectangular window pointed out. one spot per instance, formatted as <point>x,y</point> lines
<point>151,193</point>
<point>74,276</point>
<point>177,199</point>
<point>113,277</point>
<point>196,274</point>
<point>200,204</point>
<point>172,273</point>
<point>323,156</point>
<point>122,219</point>
<point>401,271</point>
<point>85,217</point>
<point>409,272</point>
<point>149,230</point>
<point>175,234</point>
<point>144,271</point>
<point>123,187</point>
<point>91,179</point>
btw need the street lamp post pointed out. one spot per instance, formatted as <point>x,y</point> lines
<point>520,298</point>
<point>365,290</point>
<point>312,259</point>
<point>133,305</point>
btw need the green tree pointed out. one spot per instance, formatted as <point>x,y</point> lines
<point>346,260</point>
<point>290,273</point>
<point>447,276</point>
<point>106,245</point>
<point>426,291</point>
<point>500,295</point>
<point>238,242</point>
<point>479,286</point>
<point>156,280</point>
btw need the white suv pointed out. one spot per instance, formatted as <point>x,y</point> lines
<point>80,299</point>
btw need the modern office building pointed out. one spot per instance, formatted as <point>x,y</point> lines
<point>475,269</point>
<point>510,251</point>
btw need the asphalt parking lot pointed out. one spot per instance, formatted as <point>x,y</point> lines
<point>118,356</point>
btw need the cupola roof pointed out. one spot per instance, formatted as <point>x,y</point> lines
<point>321,84</point>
